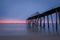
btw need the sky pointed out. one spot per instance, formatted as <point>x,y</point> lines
<point>22,9</point>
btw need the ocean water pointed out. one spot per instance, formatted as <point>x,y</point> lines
<point>24,29</point>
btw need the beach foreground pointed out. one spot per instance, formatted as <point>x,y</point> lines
<point>31,37</point>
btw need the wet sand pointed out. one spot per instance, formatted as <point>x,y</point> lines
<point>31,37</point>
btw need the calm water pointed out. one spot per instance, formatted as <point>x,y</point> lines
<point>23,29</point>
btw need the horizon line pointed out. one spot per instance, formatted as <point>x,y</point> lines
<point>20,21</point>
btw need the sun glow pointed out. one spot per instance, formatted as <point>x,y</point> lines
<point>19,21</point>
<point>12,21</point>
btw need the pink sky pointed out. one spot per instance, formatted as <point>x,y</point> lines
<point>17,21</point>
<point>12,21</point>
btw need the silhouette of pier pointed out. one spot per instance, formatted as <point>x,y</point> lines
<point>41,18</point>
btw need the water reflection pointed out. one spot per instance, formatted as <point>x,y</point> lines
<point>17,29</point>
<point>32,28</point>
<point>43,29</point>
<point>12,29</point>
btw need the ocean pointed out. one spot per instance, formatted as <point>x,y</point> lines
<point>24,29</point>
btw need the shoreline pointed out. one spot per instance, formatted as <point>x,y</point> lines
<point>31,37</point>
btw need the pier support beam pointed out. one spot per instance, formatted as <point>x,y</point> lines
<point>36,22</point>
<point>40,22</point>
<point>52,22</point>
<point>48,21</point>
<point>44,22</point>
<point>56,20</point>
<point>29,22</point>
<point>59,16</point>
<point>33,23</point>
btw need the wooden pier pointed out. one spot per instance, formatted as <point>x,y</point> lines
<point>43,17</point>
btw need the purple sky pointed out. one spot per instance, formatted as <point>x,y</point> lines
<point>21,9</point>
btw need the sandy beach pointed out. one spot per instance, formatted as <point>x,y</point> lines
<point>31,37</point>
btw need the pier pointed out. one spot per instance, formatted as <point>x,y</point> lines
<point>43,18</point>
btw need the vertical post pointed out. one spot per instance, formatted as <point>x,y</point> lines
<point>32,26</point>
<point>33,23</point>
<point>59,16</point>
<point>40,22</point>
<point>44,22</point>
<point>36,24</point>
<point>29,23</point>
<point>52,22</point>
<point>56,20</point>
<point>48,21</point>
<point>37,21</point>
